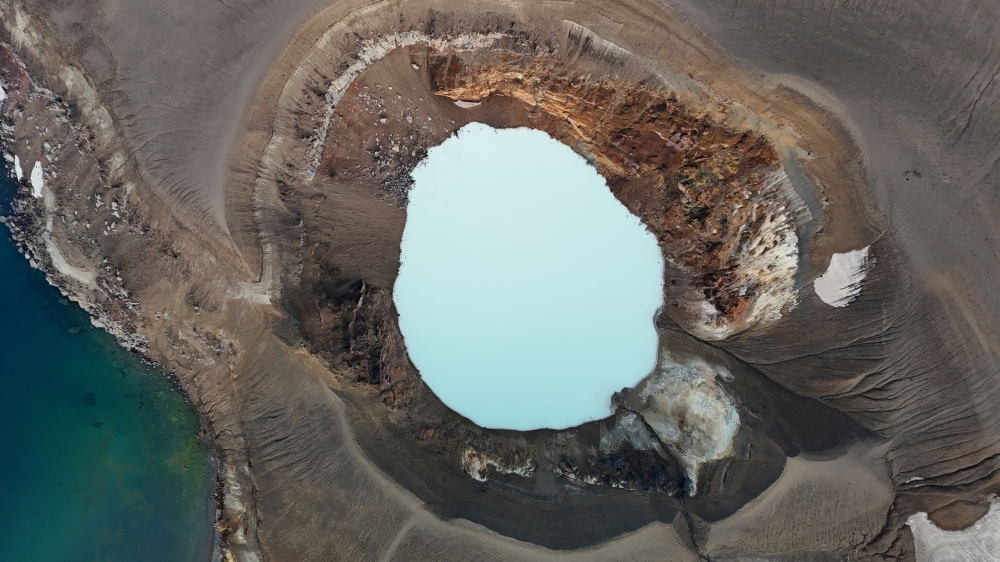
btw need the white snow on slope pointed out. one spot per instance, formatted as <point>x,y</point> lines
<point>841,283</point>
<point>3,93</point>
<point>17,168</point>
<point>37,181</point>
<point>978,543</point>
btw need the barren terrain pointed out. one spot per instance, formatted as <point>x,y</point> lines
<point>225,190</point>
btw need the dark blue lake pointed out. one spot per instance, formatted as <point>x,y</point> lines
<point>100,459</point>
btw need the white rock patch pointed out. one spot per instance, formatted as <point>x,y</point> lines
<point>841,283</point>
<point>477,465</point>
<point>685,405</point>
<point>768,261</point>
<point>37,180</point>
<point>372,51</point>
<point>17,168</point>
<point>84,277</point>
<point>978,543</point>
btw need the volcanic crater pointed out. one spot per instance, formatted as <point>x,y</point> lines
<point>704,174</point>
<point>255,257</point>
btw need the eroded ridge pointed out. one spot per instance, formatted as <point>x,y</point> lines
<point>317,197</point>
<point>715,195</point>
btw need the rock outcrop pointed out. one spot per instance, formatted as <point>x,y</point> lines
<point>251,250</point>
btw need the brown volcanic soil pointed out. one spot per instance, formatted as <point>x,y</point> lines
<point>351,227</point>
<point>271,303</point>
<point>681,173</point>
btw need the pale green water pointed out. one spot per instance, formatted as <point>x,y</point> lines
<point>526,292</point>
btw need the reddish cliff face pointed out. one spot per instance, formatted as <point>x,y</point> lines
<point>713,196</point>
<point>313,191</point>
<point>716,197</point>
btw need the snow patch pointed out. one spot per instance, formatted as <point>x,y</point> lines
<point>978,543</point>
<point>841,283</point>
<point>17,168</point>
<point>37,180</point>
<point>3,93</point>
<point>467,104</point>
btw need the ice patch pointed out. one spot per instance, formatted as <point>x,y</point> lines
<point>17,168</point>
<point>978,543</point>
<point>37,180</point>
<point>467,104</point>
<point>841,283</point>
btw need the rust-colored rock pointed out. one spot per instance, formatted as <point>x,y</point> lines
<point>707,192</point>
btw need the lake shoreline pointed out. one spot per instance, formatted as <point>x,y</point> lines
<point>211,305</point>
<point>214,253</point>
<point>129,361</point>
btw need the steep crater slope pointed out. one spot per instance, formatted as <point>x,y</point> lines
<point>747,210</point>
<point>723,190</point>
<point>281,327</point>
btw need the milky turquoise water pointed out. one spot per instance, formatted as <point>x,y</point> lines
<point>99,458</point>
<point>526,292</point>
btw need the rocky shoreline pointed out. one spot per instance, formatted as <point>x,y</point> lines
<point>25,228</point>
<point>272,311</point>
<point>61,142</point>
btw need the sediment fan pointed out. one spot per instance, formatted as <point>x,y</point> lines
<point>226,191</point>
